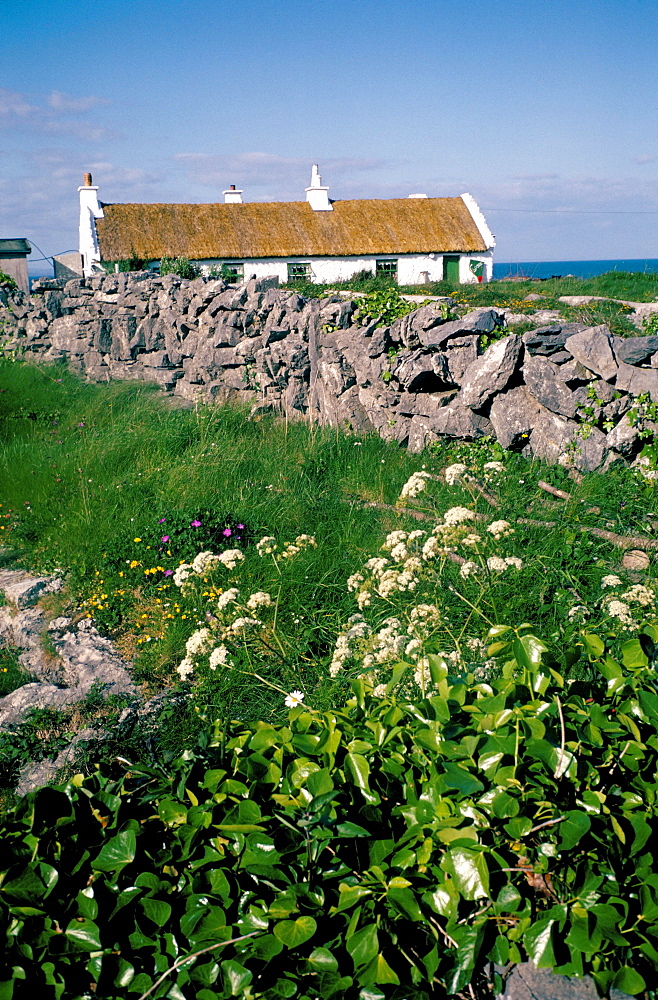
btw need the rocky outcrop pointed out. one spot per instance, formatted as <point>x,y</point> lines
<point>560,392</point>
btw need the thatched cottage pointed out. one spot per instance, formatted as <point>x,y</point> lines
<point>414,240</point>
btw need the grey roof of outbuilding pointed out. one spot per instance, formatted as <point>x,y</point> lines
<point>18,245</point>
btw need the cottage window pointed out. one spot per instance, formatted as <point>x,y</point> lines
<point>232,271</point>
<point>299,271</point>
<point>387,268</point>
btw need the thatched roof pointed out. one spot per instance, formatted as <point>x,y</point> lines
<point>288,229</point>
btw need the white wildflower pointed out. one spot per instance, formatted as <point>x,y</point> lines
<point>425,613</point>
<point>496,564</point>
<point>197,641</point>
<point>293,699</point>
<point>431,548</point>
<point>493,467</point>
<point>355,581</point>
<point>422,675</point>
<point>415,536</point>
<point>376,565</point>
<point>639,594</point>
<point>231,558</point>
<point>412,565</point>
<point>266,546</point>
<point>204,562</point>
<point>185,668</point>
<point>379,691</point>
<point>457,515</point>
<point>260,599</point>
<point>610,581</point>
<point>399,552</point>
<point>394,538</point>
<point>621,611</point>
<point>412,647</point>
<point>243,623</point>
<point>228,597</point>
<point>500,529</point>
<point>577,613</point>
<point>364,599</point>
<point>514,561</point>
<point>181,574</point>
<point>454,473</point>
<point>471,540</point>
<point>468,568</point>
<point>218,657</point>
<point>415,485</point>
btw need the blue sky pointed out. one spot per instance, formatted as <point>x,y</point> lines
<point>545,110</point>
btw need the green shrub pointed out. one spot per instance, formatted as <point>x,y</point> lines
<point>7,281</point>
<point>387,848</point>
<point>650,324</point>
<point>182,266</point>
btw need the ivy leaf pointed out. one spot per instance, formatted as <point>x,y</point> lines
<point>629,981</point>
<point>172,813</point>
<point>157,910</point>
<point>31,885</point>
<point>118,852</point>
<point>235,976</point>
<point>84,934</point>
<point>458,777</point>
<point>379,971</point>
<point>573,827</point>
<point>539,945</point>
<point>469,872</point>
<point>359,770</point>
<point>322,960</point>
<point>364,945</point>
<point>295,932</point>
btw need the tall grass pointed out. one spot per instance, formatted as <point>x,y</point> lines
<point>87,471</point>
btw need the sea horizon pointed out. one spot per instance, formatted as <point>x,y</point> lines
<point>577,268</point>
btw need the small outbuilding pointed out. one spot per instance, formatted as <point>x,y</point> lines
<point>13,260</point>
<point>413,240</point>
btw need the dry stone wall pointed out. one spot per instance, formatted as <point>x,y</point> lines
<point>561,392</point>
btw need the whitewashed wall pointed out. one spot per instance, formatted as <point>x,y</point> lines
<point>326,270</point>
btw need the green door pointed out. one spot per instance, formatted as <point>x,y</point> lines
<point>450,268</point>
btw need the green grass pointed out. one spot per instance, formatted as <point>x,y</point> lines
<point>89,472</point>
<point>629,286</point>
<point>633,286</point>
<point>12,674</point>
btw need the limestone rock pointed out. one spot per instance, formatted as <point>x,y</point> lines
<point>23,590</point>
<point>637,381</point>
<point>526,982</point>
<point>593,348</point>
<point>513,414</point>
<point>491,373</point>
<point>635,350</point>
<point>459,421</point>
<point>542,379</point>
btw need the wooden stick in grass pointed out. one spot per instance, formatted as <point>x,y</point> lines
<point>562,494</point>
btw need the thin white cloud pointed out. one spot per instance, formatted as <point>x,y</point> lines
<point>646,159</point>
<point>55,114</point>
<point>269,176</point>
<point>77,105</point>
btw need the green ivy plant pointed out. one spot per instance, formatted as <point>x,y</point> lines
<point>182,266</point>
<point>384,306</point>
<point>644,416</point>
<point>389,848</point>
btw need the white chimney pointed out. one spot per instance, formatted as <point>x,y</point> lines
<point>232,196</point>
<point>316,194</point>
<point>90,210</point>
